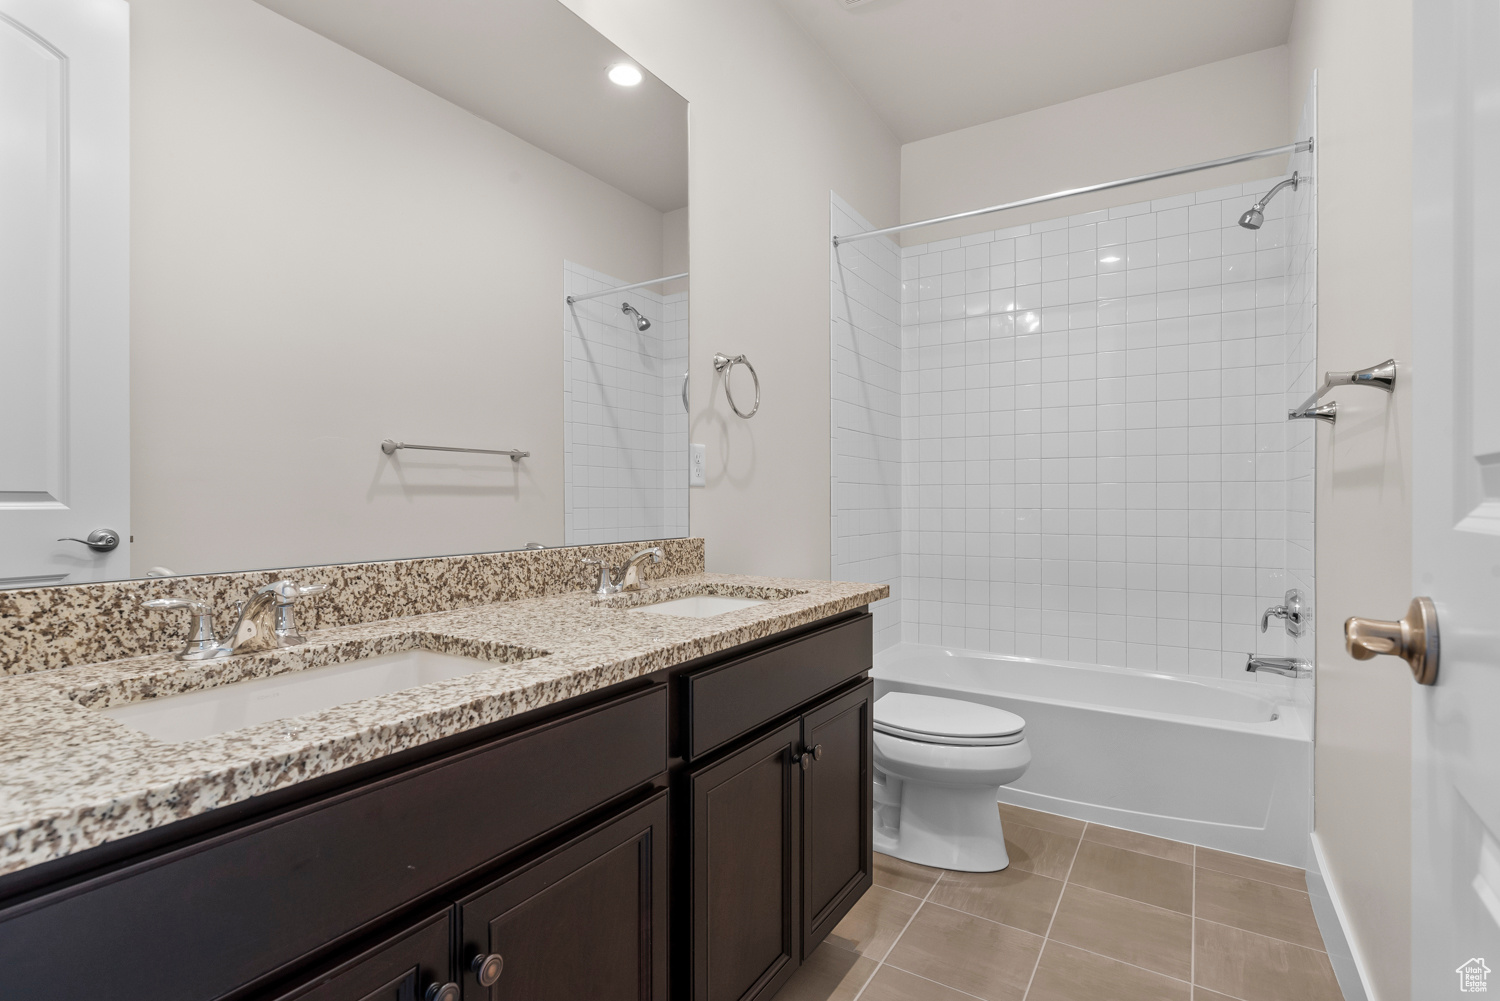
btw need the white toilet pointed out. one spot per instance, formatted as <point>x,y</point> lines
<point>939,764</point>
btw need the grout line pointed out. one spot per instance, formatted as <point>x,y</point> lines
<point>1143,969</point>
<point>1261,934</point>
<point>1193,931</point>
<point>1047,935</point>
<point>939,983</point>
<point>897,939</point>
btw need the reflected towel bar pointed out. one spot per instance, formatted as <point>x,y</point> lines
<point>390,445</point>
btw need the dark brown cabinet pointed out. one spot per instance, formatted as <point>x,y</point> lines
<point>588,920</point>
<point>837,812</point>
<point>687,836</point>
<point>745,845</point>
<point>411,965</point>
<point>780,846</point>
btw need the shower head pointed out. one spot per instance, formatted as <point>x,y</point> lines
<point>1255,215</point>
<point>641,323</point>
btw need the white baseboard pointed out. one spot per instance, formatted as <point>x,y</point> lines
<point>1333,922</point>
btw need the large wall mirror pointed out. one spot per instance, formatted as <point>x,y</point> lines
<point>354,227</point>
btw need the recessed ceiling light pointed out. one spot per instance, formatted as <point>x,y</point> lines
<point>624,74</point>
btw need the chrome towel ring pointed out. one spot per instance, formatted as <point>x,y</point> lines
<point>722,364</point>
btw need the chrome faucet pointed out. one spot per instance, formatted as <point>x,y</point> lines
<point>1289,667</point>
<point>1292,612</point>
<point>624,578</point>
<point>265,622</point>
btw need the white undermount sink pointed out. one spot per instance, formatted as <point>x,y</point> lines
<point>176,718</point>
<point>700,606</point>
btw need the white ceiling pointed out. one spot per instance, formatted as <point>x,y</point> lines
<point>532,67</point>
<point>933,66</point>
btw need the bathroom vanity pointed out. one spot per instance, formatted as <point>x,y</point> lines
<point>648,824</point>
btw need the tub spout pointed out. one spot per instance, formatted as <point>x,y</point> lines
<point>1289,667</point>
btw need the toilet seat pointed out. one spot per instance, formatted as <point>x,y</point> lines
<point>929,719</point>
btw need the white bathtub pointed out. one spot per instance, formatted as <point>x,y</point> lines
<point>1218,763</point>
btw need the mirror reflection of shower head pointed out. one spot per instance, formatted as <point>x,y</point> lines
<point>641,323</point>
<point>1256,215</point>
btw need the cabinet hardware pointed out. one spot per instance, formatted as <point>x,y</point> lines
<point>443,992</point>
<point>807,757</point>
<point>487,968</point>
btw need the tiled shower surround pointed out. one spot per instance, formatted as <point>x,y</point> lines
<point>1094,451</point>
<point>624,422</point>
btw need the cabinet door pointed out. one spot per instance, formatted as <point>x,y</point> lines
<point>837,854</point>
<point>588,920</point>
<point>744,871</point>
<point>404,967</point>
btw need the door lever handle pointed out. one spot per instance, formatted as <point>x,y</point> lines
<point>100,540</point>
<point>1413,638</point>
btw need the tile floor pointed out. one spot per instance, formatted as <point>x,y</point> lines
<point>1084,913</point>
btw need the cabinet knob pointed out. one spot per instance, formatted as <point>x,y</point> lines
<point>807,757</point>
<point>443,992</point>
<point>487,968</point>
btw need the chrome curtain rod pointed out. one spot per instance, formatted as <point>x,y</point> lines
<point>1300,146</point>
<point>623,288</point>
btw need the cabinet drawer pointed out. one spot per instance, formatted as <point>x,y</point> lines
<point>212,917</point>
<point>730,700</point>
<point>401,968</point>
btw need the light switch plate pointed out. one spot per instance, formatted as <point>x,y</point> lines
<point>697,465</point>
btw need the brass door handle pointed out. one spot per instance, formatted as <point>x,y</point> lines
<point>1413,638</point>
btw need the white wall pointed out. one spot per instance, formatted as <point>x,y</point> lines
<point>325,255</point>
<point>1361,51</point>
<point>1220,109</point>
<point>773,129</point>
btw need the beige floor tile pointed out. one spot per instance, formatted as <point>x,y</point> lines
<point>873,924</point>
<point>1130,874</point>
<point>1041,821</point>
<point>1265,908</point>
<point>1253,967</point>
<point>968,953</point>
<point>1035,850</point>
<point>1011,896</point>
<point>1125,929</point>
<point>829,974</point>
<point>1252,868</point>
<point>1146,844</point>
<point>1204,994</point>
<point>907,877</point>
<point>1068,974</point>
<point>891,984</point>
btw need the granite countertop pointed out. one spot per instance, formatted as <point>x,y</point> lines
<point>72,778</point>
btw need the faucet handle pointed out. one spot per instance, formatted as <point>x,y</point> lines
<point>606,584</point>
<point>202,641</point>
<point>288,590</point>
<point>286,594</point>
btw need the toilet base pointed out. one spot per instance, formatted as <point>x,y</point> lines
<point>945,827</point>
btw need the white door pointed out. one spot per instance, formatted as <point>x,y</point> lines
<point>1456,496</point>
<point>64,288</point>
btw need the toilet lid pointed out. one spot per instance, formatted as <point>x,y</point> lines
<point>945,721</point>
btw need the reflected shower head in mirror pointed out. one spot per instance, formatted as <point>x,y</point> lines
<point>1256,214</point>
<point>641,323</point>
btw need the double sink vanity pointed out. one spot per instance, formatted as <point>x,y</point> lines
<point>659,793</point>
